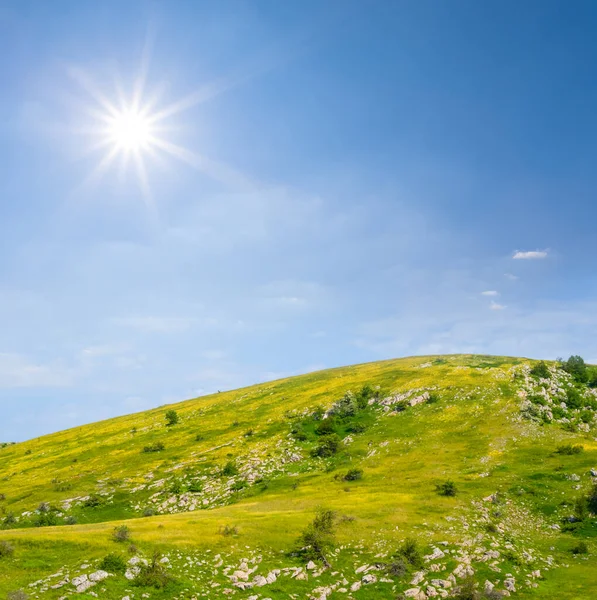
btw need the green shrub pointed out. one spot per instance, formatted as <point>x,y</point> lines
<point>176,487</point>
<point>326,426</point>
<point>364,395</point>
<point>63,486</point>
<point>346,407</point>
<point>299,434</point>
<point>353,475</point>
<point>592,500</point>
<point>113,563</point>
<point>171,418</point>
<point>70,520</point>
<point>580,548</point>
<point>328,446</point>
<point>576,367</point>
<point>356,428</point>
<point>447,488</point>
<point>319,537</point>
<point>155,447</point>
<point>199,437</point>
<point>411,553</point>
<point>153,574</point>
<point>569,449</point>
<point>121,533</point>
<point>229,469</point>
<point>148,512</point>
<point>540,370</point>
<point>228,530</point>
<point>237,486</point>
<point>9,520</point>
<point>195,487</point>
<point>6,549</point>
<point>248,433</point>
<point>558,412</point>
<point>46,519</point>
<point>93,501</point>
<point>574,398</point>
<point>397,568</point>
<point>581,508</point>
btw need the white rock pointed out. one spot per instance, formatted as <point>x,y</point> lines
<point>310,565</point>
<point>355,586</point>
<point>369,578</point>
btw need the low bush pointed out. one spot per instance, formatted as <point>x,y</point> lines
<point>93,501</point>
<point>121,533</point>
<point>569,449</point>
<point>149,512</point>
<point>411,553</point>
<point>155,447</point>
<point>46,519</point>
<point>63,486</point>
<point>228,530</point>
<point>580,548</point>
<point>229,469</point>
<point>70,520</point>
<point>6,549</point>
<point>326,426</point>
<point>327,446</point>
<point>353,475</point>
<point>153,574</point>
<point>574,399</point>
<point>540,370</point>
<point>447,488</point>
<point>9,520</point>
<point>113,563</point>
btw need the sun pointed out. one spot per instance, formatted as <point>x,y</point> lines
<point>130,131</point>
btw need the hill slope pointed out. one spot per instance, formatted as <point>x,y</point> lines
<point>224,494</point>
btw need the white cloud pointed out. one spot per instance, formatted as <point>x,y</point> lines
<point>496,306</point>
<point>529,255</point>
<point>511,277</point>
<point>17,371</point>
<point>489,293</point>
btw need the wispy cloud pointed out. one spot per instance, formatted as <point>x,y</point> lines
<point>16,371</point>
<point>511,277</point>
<point>496,306</point>
<point>490,293</point>
<point>529,254</point>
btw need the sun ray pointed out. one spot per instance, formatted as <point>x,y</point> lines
<point>211,168</point>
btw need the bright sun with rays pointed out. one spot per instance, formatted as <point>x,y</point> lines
<point>130,130</point>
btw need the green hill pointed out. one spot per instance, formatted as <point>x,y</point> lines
<point>442,474</point>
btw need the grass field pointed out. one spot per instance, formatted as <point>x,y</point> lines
<point>247,460</point>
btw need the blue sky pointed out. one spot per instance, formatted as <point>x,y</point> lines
<point>359,181</point>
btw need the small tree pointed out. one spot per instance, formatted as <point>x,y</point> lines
<point>319,537</point>
<point>171,418</point>
<point>576,367</point>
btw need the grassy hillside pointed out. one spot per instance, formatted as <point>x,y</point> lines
<point>222,496</point>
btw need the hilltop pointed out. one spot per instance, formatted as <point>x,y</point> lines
<point>443,476</point>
